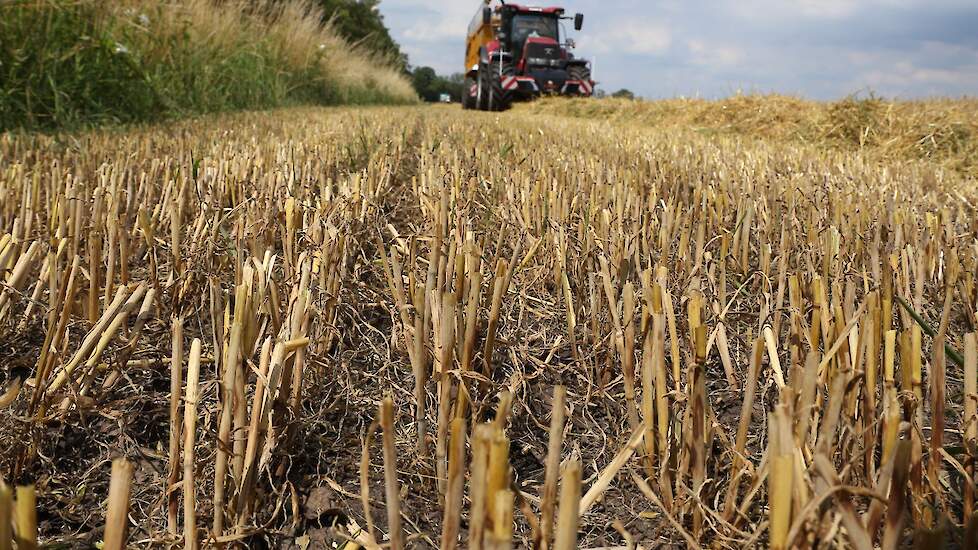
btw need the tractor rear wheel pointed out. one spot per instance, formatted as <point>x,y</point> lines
<point>468,98</point>
<point>499,97</point>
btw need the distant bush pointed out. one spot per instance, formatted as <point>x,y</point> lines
<point>66,62</point>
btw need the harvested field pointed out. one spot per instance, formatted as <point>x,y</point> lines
<point>420,327</point>
<point>939,131</point>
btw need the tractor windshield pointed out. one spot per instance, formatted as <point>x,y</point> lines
<point>532,26</point>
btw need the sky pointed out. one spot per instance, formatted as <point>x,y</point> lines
<point>822,49</point>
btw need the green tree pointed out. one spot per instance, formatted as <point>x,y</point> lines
<point>624,93</point>
<point>455,85</point>
<point>425,82</point>
<point>430,85</point>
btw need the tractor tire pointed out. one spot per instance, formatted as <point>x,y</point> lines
<point>579,72</point>
<point>468,100</point>
<point>482,91</point>
<point>499,97</point>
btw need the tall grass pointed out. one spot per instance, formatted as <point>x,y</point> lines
<point>67,62</point>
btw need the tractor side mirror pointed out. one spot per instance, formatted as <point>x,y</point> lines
<point>486,15</point>
<point>578,21</point>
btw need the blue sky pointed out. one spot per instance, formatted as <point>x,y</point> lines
<point>822,49</point>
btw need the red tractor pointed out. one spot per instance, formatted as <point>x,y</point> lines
<point>516,53</point>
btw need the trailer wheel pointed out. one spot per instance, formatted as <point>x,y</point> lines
<point>482,94</point>
<point>468,99</point>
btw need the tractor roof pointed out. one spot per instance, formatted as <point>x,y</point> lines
<point>535,9</point>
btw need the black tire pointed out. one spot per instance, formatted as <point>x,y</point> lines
<point>468,100</point>
<point>499,98</point>
<point>579,72</point>
<point>482,92</point>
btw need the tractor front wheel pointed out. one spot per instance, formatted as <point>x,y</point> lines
<point>581,73</point>
<point>499,97</point>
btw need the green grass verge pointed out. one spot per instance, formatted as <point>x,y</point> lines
<point>66,63</point>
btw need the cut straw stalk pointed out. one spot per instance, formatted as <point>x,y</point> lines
<point>607,475</point>
<point>477,484</point>
<point>446,344</point>
<point>189,443</point>
<point>414,329</point>
<point>698,406</point>
<point>227,391</point>
<point>781,479</point>
<point>970,421</point>
<point>628,353</point>
<point>663,411</point>
<point>490,518</point>
<point>500,536</point>
<point>570,496</point>
<point>53,338</point>
<point>365,478</point>
<point>25,518</point>
<point>100,335</point>
<point>256,433</point>
<point>116,519</point>
<point>456,484</point>
<point>498,292</point>
<point>6,516</point>
<point>176,388</point>
<point>17,278</point>
<point>392,491</point>
<point>648,378</point>
<point>548,498</point>
<point>570,315</point>
<point>897,502</point>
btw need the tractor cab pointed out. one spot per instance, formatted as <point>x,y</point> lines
<point>536,28</point>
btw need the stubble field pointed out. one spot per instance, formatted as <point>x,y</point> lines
<point>421,327</point>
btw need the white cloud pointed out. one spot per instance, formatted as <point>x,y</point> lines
<point>831,9</point>
<point>814,9</point>
<point>714,55</point>
<point>433,31</point>
<point>635,36</point>
<point>905,74</point>
<point>427,21</point>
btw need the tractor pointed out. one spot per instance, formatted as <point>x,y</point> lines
<point>516,53</point>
